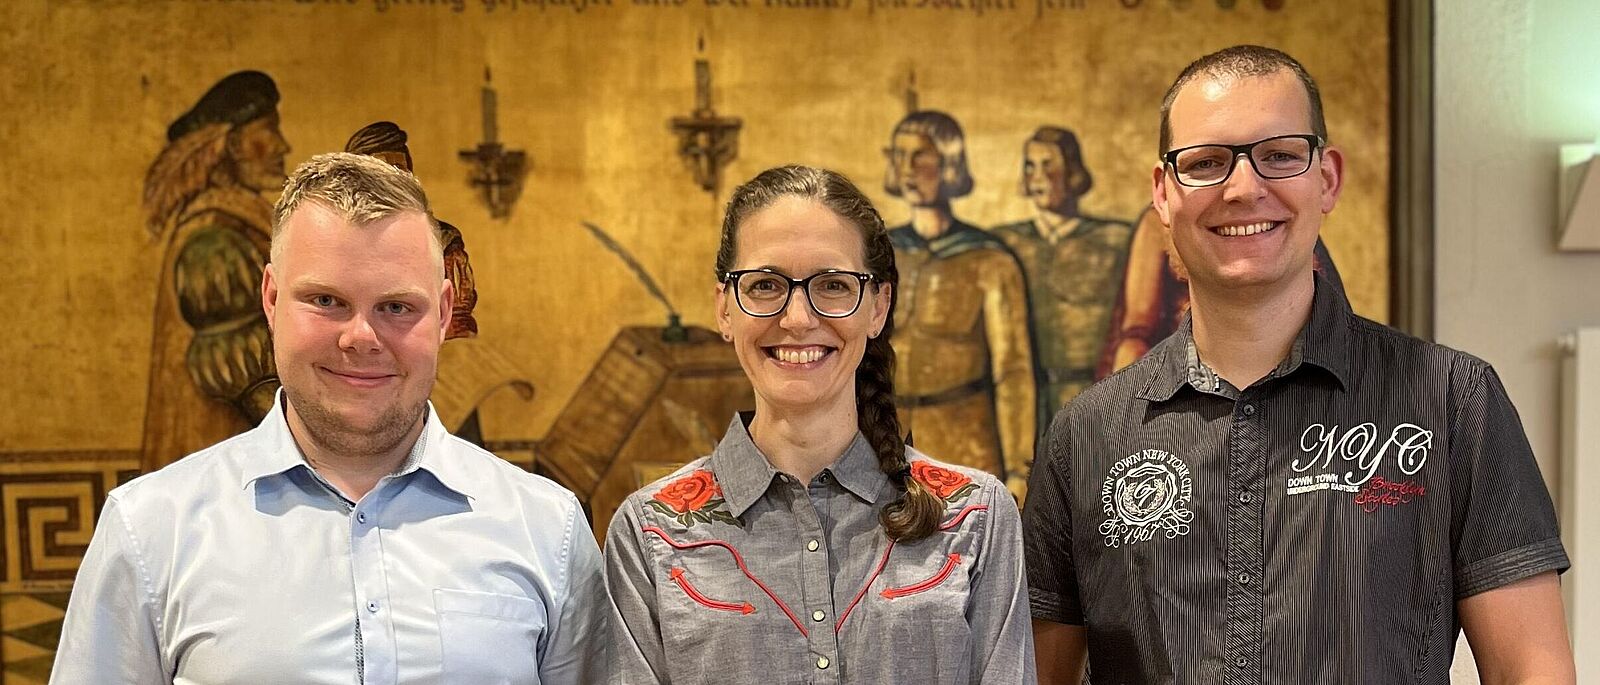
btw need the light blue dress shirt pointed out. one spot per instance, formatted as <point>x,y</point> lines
<point>239,564</point>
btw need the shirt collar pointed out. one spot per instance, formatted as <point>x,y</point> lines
<point>280,454</point>
<point>744,473</point>
<point>1322,342</point>
<point>858,470</point>
<point>1325,341</point>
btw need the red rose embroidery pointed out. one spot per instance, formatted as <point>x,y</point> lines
<point>690,492</point>
<point>947,484</point>
<point>692,499</point>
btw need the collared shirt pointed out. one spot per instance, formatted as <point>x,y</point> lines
<point>239,564</point>
<point>1317,526</point>
<point>731,572</point>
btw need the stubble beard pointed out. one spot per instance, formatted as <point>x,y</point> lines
<point>333,433</point>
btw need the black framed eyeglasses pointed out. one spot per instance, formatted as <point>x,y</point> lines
<point>833,293</point>
<point>1275,158</point>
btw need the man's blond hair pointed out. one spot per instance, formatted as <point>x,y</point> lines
<point>361,189</point>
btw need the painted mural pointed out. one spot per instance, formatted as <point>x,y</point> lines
<point>582,150</point>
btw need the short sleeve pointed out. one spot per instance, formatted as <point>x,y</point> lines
<point>1047,531</point>
<point>1503,524</point>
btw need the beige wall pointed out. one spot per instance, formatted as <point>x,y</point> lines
<point>90,88</point>
<point>1513,80</point>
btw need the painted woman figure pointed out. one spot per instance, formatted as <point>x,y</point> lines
<point>966,372</point>
<point>208,198</point>
<point>813,545</point>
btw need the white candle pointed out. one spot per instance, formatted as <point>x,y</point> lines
<point>489,132</point>
<point>702,85</point>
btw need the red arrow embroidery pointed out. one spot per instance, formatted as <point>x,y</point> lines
<point>949,565</point>
<point>742,607</point>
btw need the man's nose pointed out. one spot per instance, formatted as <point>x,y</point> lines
<point>359,337</point>
<point>1243,183</point>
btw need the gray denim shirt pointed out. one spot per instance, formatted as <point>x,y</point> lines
<point>729,571</point>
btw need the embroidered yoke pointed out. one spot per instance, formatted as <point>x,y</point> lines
<point>729,571</point>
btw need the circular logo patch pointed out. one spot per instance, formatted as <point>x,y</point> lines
<point>1145,494</point>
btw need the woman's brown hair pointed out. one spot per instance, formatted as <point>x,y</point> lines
<point>916,513</point>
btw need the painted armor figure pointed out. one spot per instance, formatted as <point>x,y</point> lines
<point>1074,265</point>
<point>211,369</point>
<point>965,375</point>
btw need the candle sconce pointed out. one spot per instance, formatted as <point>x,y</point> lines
<point>706,142</point>
<point>496,172</point>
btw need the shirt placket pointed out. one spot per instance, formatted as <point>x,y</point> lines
<point>374,616</point>
<point>816,585</point>
<point>1247,457</point>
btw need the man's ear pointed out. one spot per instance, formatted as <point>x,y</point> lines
<point>1158,194</point>
<point>269,294</point>
<point>447,301</point>
<point>1331,169</point>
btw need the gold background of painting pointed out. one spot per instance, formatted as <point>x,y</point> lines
<point>90,89</point>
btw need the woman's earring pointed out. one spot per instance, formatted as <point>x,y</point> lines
<point>727,338</point>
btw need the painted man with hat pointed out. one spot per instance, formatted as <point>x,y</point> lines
<point>470,369</point>
<point>208,201</point>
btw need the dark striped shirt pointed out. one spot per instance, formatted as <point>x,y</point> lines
<point>1317,526</point>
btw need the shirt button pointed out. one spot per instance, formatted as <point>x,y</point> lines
<point>372,607</point>
<point>812,546</point>
<point>1249,410</point>
<point>818,615</point>
<point>822,662</point>
<point>1244,579</point>
<point>361,517</point>
<point>1244,498</point>
<point>1241,662</point>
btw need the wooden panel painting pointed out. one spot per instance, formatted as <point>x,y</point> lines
<point>580,152</point>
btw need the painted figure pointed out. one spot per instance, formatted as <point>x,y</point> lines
<point>388,142</point>
<point>208,201</point>
<point>965,377</point>
<point>813,545</point>
<point>1074,266</point>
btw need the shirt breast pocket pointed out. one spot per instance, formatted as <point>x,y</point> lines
<point>488,638</point>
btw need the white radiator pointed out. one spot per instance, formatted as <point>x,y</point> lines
<point>1580,495</point>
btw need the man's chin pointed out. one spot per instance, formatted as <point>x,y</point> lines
<point>357,428</point>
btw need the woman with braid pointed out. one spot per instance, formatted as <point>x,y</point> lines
<point>813,545</point>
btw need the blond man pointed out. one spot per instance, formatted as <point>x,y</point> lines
<point>348,537</point>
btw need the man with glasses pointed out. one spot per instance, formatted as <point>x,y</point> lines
<point>1283,491</point>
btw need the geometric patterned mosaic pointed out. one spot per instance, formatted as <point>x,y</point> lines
<point>32,628</point>
<point>49,503</point>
